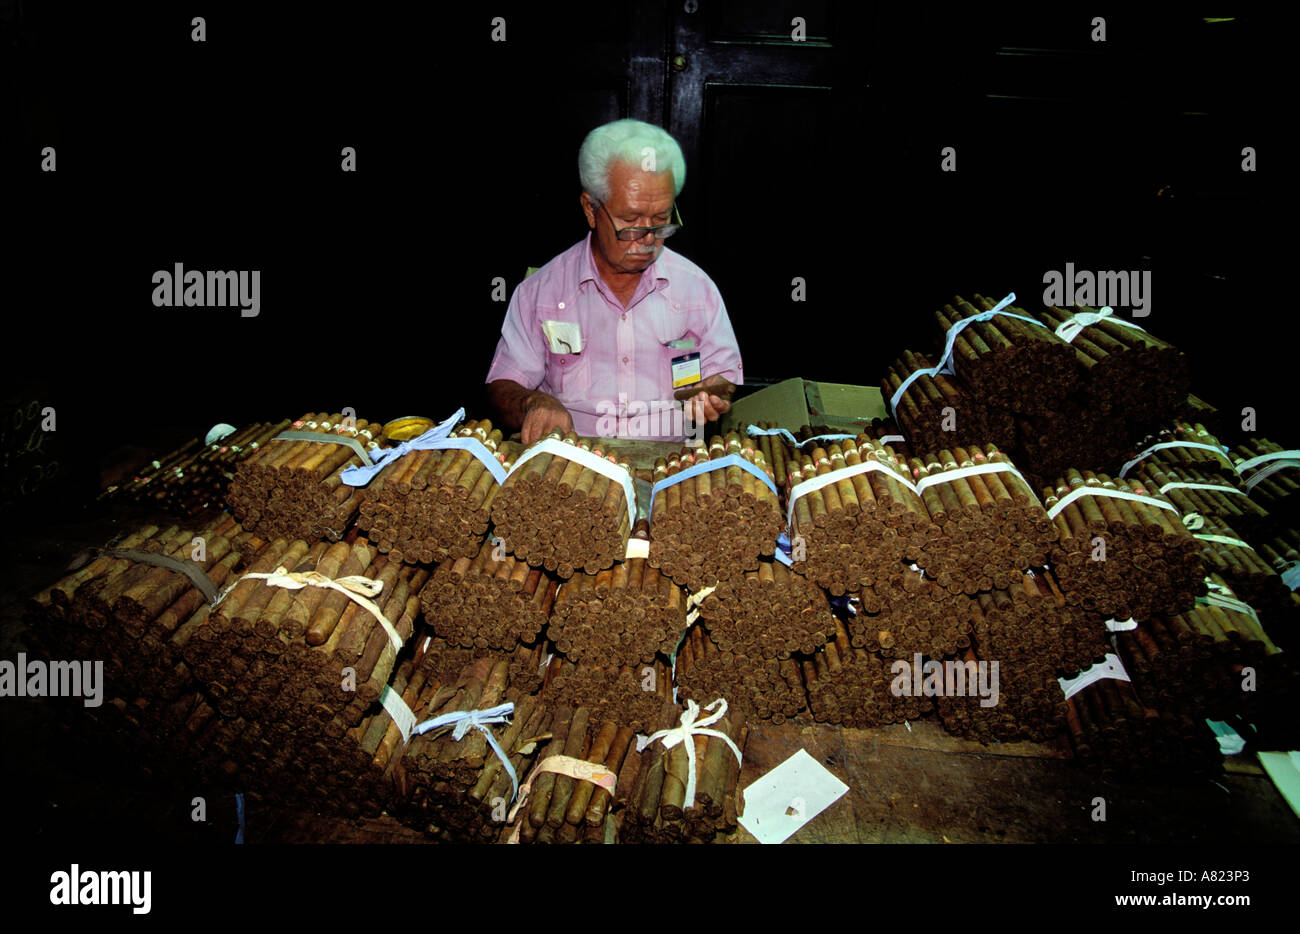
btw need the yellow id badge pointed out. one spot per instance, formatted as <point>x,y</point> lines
<point>686,370</point>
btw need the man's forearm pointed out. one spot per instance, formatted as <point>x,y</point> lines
<point>510,401</point>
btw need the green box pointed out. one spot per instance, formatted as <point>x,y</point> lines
<point>793,403</point>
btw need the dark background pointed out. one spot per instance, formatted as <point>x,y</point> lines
<point>817,159</point>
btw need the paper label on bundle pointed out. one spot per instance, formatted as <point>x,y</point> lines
<point>637,548</point>
<point>397,709</point>
<point>1112,667</point>
<point>563,336</point>
<point>686,370</point>
<point>1230,741</point>
<point>788,797</point>
<point>1121,625</point>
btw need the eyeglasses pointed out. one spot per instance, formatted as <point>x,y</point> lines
<point>662,232</point>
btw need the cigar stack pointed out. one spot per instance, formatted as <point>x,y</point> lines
<point>481,602</point>
<point>767,688</point>
<point>1234,507</point>
<point>1077,435</point>
<point>904,612</point>
<point>442,662</point>
<point>621,616</point>
<point>992,525</point>
<point>1112,730</point>
<point>1152,563</point>
<point>627,694</point>
<point>1274,492</point>
<point>651,791</point>
<point>459,790</point>
<point>855,529</point>
<point>716,524</point>
<point>431,505</point>
<point>1035,637</point>
<point>922,415</point>
<point>195,476</point>
<point>1008,363</point>
<point>1280,548</point>
<point>294,489</point>
<point>1193,661</point>
<point>1200,460</point>
<point>556,513</point>
<point>1245,570</point>
<point>1129,372</point>
<point>851,687</point>
<point>768,613</point>
<point>137,617</point>
<point>562,809</point>
<point>303,668</point>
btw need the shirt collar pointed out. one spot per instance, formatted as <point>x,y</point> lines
<point>587,267</point>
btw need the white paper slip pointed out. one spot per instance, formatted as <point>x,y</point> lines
<point>788,797</point>
<point>1284,769</point>
<point>397,709</point>
<point>1230,741</point>
<point>563,336</point>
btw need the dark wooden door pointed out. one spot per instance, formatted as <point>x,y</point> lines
<point>754,110</point>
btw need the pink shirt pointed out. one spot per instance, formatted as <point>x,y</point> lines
<point>624,367</point>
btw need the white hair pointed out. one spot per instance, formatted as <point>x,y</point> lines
<point>629,141</point>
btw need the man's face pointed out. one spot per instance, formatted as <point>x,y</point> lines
<point>637,199</point>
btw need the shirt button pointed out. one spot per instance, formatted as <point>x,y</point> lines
<point>561,304</point>
<point>625,359</point>
<point>625,316</point>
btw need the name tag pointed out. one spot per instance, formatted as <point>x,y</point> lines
<point>686,370</point>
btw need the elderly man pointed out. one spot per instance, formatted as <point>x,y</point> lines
<point>607,334</point>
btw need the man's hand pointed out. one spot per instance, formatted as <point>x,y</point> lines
<point>544,413</point>
<point>707,400</point>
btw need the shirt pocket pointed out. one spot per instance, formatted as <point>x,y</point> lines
<point>569,374</point>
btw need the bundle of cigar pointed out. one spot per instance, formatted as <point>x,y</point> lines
<point>1130,373</point>
<point>904,612</point>
<point>766,688</point>
<point>441,661</point>
<point>1182,456</point>
<point>1273,490</point>
<point>852,530</point>
<point>1076,435</point>
<point>852,687</point>
<point>431,505</point>
<point>1248,573</point>
<point>1021,703</point>
<point>1281,549</point>
<point>304,668</point>
<point>563,809</point>
<point>718,523</point>
<point>556,513</point>
<point>1112,730</point>
<point>294,489</point>
<point>1204,494</point>
<point>780,456</point>
<point>1122,557</point>
<point>1033,637</point>
<point>621,616</point>
<point>768,613</point>
<point>195,476</point>
<point>936,411</point>
<point>135,616</point>
<point>992,526</point>
<point>626,694</point>
<point>650,796</point>
<point>482,602</point>
<point>459,790</point>
<point>1009,363</point>
<point>1193,661</point>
